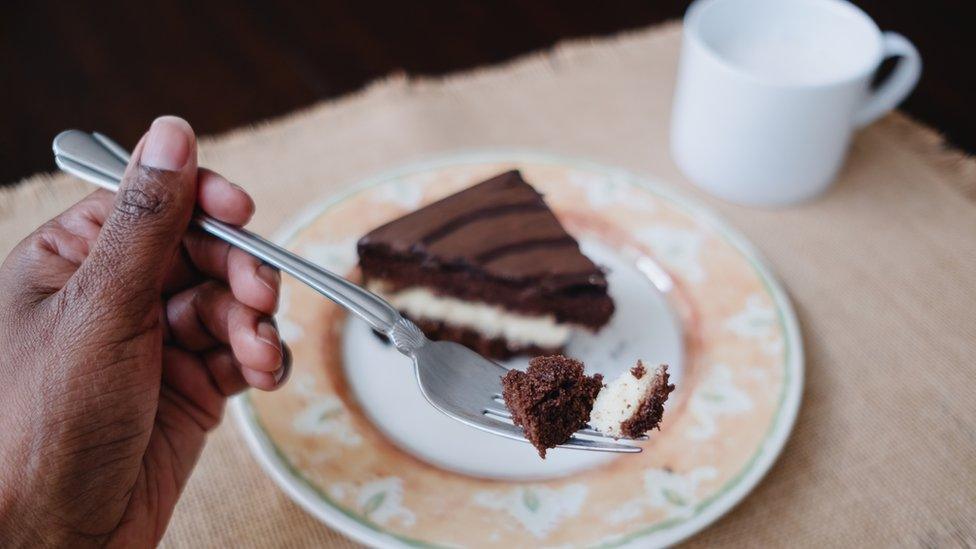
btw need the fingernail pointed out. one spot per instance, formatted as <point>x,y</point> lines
<point>285,355</point>
<point>167,144</point>
<point>269,276</point>
<point>268,333</point>
<point>240,189</point>
<point>282,373</point>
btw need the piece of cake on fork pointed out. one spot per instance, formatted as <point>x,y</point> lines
<point>490,267</point>
<point>554,398</point>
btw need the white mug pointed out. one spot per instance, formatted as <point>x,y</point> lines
<point>769,93</point>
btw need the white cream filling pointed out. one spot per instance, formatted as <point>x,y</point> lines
<point>619,401</point>
<point>489,320</point>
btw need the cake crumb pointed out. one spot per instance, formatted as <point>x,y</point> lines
<point>639,370</point>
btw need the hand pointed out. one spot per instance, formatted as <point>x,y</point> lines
<point>121,336</point>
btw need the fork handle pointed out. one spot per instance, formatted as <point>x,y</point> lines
<point>99,160</point>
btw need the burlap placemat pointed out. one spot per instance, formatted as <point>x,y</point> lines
<point>882,271</point>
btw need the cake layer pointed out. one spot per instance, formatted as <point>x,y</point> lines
<point>581,305</point>
<point>489,321</point>
<point>493,348</point>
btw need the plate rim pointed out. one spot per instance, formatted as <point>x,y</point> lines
<point>730,495</point>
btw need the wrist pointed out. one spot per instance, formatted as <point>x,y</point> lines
<point>22,525</point>
<point>26,522</point>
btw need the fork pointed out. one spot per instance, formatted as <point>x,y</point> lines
<point>455,380</point>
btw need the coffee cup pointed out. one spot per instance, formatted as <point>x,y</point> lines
<point>769,93</point>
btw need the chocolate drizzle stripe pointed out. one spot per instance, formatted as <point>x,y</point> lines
<point>468,217</point>
<point>526,245</point>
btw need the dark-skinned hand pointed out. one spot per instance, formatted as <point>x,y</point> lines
<point>122,333</point>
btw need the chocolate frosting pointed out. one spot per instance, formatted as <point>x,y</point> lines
<point>501,227</point>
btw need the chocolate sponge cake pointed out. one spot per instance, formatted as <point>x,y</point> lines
<point>551,400</point>
<point>490,267</point>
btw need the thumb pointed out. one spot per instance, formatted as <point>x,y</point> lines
<point>152,210</point>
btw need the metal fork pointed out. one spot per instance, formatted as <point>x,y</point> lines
<point>455,380</point>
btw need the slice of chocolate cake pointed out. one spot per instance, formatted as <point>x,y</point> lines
<point>490,267</point>
<point>551,400</point>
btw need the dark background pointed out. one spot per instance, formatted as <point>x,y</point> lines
<point>114,65</point>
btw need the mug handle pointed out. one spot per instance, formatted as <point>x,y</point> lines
<point>898,85</point>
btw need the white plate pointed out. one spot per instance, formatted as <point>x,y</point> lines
<point>352,440</point>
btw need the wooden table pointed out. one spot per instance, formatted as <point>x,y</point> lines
<point>114,65</point>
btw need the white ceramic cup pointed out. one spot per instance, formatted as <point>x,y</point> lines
<point>769,93</point>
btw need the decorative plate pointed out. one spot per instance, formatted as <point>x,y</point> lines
<point>352,440</point>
